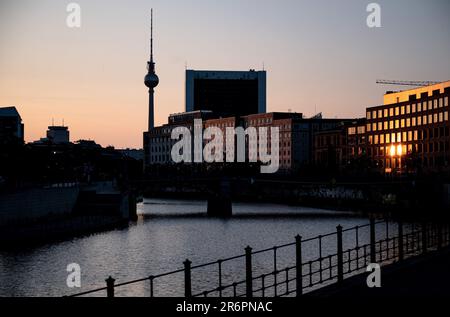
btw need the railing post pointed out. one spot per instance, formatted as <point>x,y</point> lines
<point>373,255</point>
<point>439,237</point>
<point>340,255</point>
<point>424,237</point>
<point>110,287</point>
<point>298,265</point>
<point>187,279</point>
<point>248,272</point>
<point>400,241</point>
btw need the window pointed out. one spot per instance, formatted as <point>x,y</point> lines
<point>380,114</point>
<point>410,135</point>
<point>402,110</point>
<point>424,119</point>
<point>413,121</point>
<point>393,137</point>
<point>382,139</point>
<point>374,127</point>
<point>419,120</point>
<point>435,118</point>
<point>386,125</point>
<point>391,112</point>
<point>399,137</point>
<point>446,102</point>
<point>415,135</point>
<point>408,122</point>
<point>430,119</point>
<point>391,125</point>
<point>388,138</point>
<point>380,126</point>
<point>424,106</point>
<point>374,114</point>
<point>446,116</point>
<point>404,136</point>
<point>441,102</point>
<point>369,115</point>
<point>369,127</point>
<point>385,113</point>
<point>413,108</point>
<point>397,111</point>
<point>403,123</point>
<point>397,124</point>
<point>419,107</point>
<point>408,109</point>
<point>376,139</point>
<point>435,102</point>
<point>352,131</point>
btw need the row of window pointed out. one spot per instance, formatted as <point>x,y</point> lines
<point>408,122</point>
<point>407,109</point>
<point>399,150</point>
<point>425,162</point>
<point>408,136</point>
<point>356,130</point>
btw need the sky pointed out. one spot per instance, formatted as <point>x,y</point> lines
<point>320,56</point>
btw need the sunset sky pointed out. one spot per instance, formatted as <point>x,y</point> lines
<point>318,54</point>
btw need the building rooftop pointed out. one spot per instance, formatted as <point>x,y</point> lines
<point>404,95</point>
<point>9,112</point>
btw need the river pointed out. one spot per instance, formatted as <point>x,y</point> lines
<point>166,233</point>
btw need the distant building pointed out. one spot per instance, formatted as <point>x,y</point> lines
<point>330,148</point>
<point>11,126</point>
<point>58,134</point>
<point>227,93</point>
<point>356,140</point>
<point>296,138</point>
<point>158,143</point>
<point>411,130</point>
<point>137,154</point>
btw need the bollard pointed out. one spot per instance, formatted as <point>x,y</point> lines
<point>298,265</point>
<point>110,287</point>
<point>248,272</point>
<point>187,279</point>
<point>340,255</point>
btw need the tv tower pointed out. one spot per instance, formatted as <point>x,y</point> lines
<point>151,81</point>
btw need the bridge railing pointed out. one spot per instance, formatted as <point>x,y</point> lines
<point>329,259</point>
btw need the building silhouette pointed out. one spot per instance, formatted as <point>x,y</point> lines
<point>11,126</point>
<point>58,134</point>
<point>227,93</point>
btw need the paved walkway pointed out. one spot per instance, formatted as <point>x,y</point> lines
<point>426,275</point>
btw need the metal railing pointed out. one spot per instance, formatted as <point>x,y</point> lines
<point>350,255</point>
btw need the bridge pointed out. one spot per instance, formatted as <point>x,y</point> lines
<point>220,191</point>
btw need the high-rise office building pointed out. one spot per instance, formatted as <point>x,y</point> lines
<point>227,93</point>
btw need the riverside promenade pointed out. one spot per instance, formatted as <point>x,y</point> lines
<point>425,275</point>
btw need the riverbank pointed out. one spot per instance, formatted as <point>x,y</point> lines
<point>38,215</point>
<point>55,229</point>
